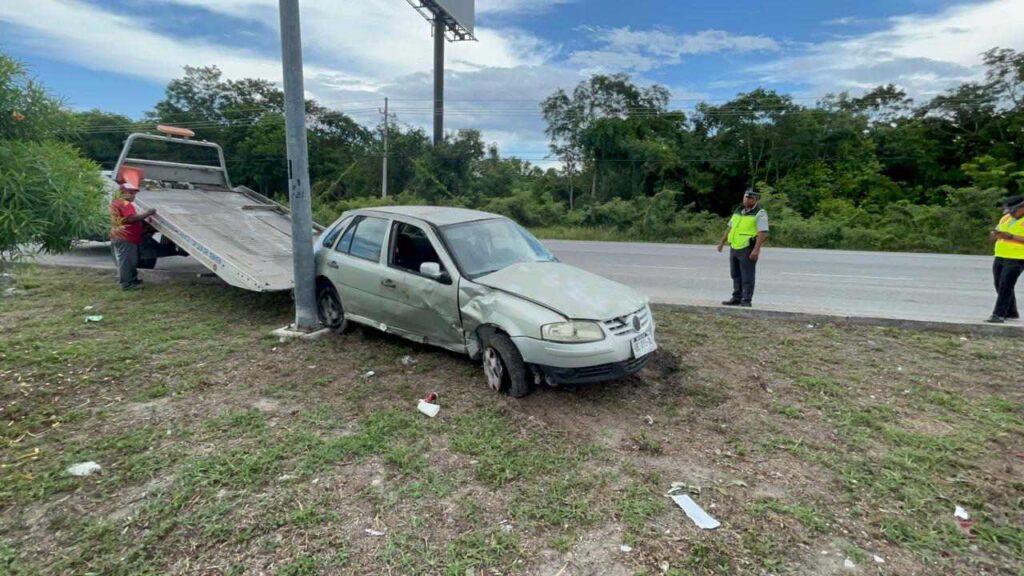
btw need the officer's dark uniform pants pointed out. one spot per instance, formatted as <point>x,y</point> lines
<point>742,269</point>
<point>1005,272</point>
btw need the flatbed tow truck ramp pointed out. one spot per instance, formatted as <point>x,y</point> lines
<point>242,236</point>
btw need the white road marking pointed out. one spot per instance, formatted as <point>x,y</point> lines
<point>844,276</point>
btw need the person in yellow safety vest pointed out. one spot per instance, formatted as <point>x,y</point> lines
<point>1009,262</point>
<point>747,232</point>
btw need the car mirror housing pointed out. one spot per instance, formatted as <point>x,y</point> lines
<point>433,271</point>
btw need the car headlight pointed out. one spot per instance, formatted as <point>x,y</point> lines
<point>575,332</point>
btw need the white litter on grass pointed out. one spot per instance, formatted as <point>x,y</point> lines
<point>879,559</point>
<point>369,374</point>
<point>626,548</point>
<point>372,532</point>
<point>701,518</point>
<point>87,308</point>
<point>428,408</point>
<point>84,468</point>
<point>961,513</point>
<point>849,565</point>
<point>96,318</point>
<point>408,360</point>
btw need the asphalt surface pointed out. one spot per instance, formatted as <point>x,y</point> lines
<point>928,287</point>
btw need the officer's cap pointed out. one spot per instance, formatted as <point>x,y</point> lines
<point>1012,203</point>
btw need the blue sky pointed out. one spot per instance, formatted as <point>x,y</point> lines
<point>117,55</point>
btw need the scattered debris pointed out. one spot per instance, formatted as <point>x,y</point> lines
<point>87,308</point>
<point>961,513</point>
<point>739,483</point>
<point>96,318</point>
<point>812,326</point>
<point>965,528</point>
<point>369,374</point>
<point>84,468</point>
<point>626,548</point>
<point>879,559</point>
<point>701,518</point>
<point>650,419</point>
<point>372,532</point>
<point>506,527</point>
<point>664,565</point>
<point>963,338</point>
<point>428,408</point>
<point>849,565</point>
<point>408,361</point>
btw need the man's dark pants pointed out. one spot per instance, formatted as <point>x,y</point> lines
<point>127,256</point>
<point>1005,272</point>
<point>742,269</point>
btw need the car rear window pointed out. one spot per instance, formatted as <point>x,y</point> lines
<point>368,238</point>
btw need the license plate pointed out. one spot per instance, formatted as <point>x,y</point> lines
<point>643,345</point>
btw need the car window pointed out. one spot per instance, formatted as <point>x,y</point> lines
<point>368,238</point>
<point>346,239</point>
<point>410,248</point>
<point>333,233</point>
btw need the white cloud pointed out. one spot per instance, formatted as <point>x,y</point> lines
<point>641,50</point>
<point>924,54</point>
<point>517,6</point>
<point>355,54</point>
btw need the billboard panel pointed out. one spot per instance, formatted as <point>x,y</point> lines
<point>462,11</point>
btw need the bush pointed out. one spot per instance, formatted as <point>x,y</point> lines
<point>49,197</point>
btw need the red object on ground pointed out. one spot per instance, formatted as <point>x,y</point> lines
<point>431,398</point>
<point>965,528</point>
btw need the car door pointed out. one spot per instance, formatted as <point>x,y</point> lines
<point>356,269</point>
<point>421,308</point>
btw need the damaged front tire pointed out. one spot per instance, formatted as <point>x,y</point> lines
<point>504,367</point>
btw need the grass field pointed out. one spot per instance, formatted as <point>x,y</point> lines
<point>225,451</point>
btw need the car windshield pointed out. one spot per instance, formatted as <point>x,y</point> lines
<point>487,246</point>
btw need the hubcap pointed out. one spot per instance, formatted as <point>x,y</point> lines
<point>493,369</point>
<point>330,309</point>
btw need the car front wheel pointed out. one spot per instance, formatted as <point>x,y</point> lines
<point>504,367</point>
<point>329,308</point>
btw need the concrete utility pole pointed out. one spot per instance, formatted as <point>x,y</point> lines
<point>384,177</point>
<point>298,167</point>
<point>438,78</point>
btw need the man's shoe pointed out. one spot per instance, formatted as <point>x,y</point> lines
<point>995,319</point>
<point>746,304</point>
<point>732,302</point>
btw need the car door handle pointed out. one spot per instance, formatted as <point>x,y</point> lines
<point>387,283</point>
<point>332,264</point>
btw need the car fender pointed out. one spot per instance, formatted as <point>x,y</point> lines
<point>487,310</point>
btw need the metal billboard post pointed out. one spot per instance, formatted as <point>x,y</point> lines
<point>438,79</point>
<point>451,20</point>
<point>298,167</point>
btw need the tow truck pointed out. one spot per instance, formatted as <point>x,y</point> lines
<point>238,234</point>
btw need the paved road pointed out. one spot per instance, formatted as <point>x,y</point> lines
<point>877,284</point>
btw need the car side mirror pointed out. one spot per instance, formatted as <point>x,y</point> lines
<point>433,271</point>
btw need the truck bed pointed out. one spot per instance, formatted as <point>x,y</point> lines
<point>238,234</point>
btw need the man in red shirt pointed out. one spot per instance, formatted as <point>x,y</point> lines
<point>126,235</point>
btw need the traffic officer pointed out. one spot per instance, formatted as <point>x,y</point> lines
<point>1009,262</point>
<point>747,231</point>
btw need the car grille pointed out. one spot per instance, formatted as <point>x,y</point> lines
<point>605,369</point>
<point>623,325</point>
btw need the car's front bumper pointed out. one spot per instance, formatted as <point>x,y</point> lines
<point>592,374</point>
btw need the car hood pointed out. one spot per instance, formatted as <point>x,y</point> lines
<point>574,293</point>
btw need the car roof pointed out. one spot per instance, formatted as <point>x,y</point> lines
<point>436,215</point>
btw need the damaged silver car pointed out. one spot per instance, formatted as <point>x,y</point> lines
<point>480,284</point>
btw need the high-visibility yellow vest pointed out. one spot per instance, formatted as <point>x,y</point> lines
<point>743,229</point>
<point>1010,248</point>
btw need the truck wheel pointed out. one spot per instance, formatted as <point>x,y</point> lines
<point>504,367</point>
<point>329,309</point>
